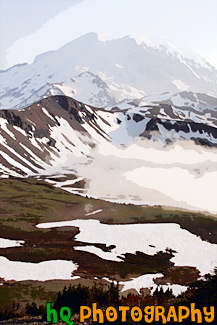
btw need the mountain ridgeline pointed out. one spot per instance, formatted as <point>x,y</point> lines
<point>46,133</point>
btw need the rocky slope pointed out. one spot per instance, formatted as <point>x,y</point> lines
<point>47,133</point>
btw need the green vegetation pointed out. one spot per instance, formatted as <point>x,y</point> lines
<point>203,293</point>
<point>26,202</point>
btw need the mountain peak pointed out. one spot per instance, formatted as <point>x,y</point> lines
<point>129,66</point>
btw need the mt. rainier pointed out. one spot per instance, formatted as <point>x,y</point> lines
<point>101,73</point>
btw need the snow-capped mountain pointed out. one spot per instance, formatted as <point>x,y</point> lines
<point>101,72</point>
<point>45,134</point>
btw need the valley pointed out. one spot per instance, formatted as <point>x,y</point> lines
<point>107,171</point>
<point>154,155</point>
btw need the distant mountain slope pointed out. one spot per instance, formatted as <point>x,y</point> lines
<point>45,134</point>
<point>195,101</point>
<point>114,70</point>
<point>86,87</point>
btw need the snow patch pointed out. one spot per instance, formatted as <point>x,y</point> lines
<point>189,249</point>
<point>94,212</point>
<point>147,281</point>
<point>43,271</point>
<point>6,243</point>
<point>4,126</point>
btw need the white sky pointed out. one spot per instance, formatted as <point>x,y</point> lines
<point>30,27</point>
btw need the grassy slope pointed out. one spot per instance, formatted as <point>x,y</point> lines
<point>26,202</point>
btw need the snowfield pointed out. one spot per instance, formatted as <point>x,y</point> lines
<point>48,270</point>
<point>189,249</point>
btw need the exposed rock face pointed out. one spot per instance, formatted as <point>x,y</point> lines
<point>44,134</point>
<point>188,127</point>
